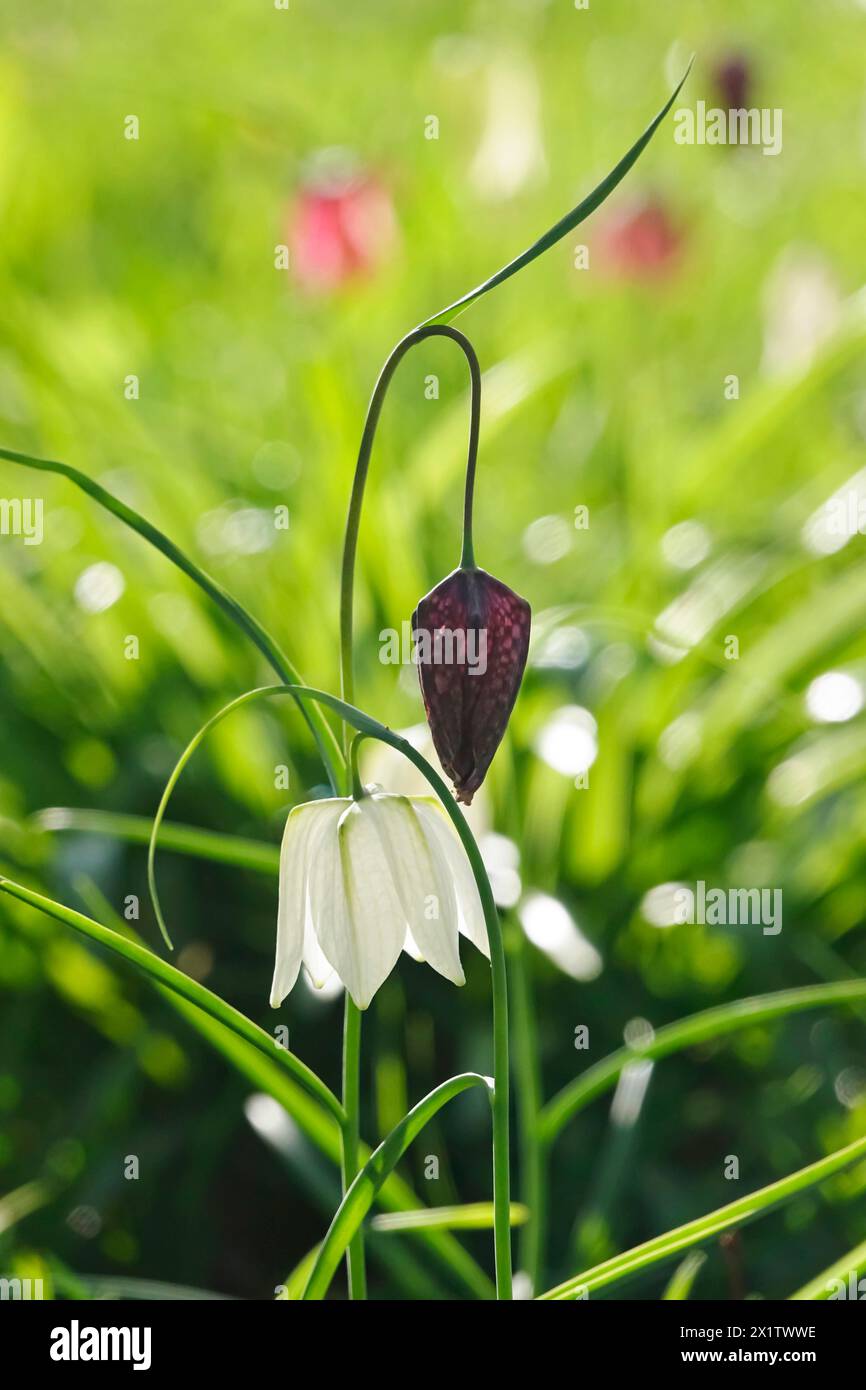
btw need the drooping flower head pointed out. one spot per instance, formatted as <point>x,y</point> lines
<point>471,641</point>
<point>362,880</point>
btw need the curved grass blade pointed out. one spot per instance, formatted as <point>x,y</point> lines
<point>267,645</point>
<point>150,1290</point>
<point>241,853</point>
<point>736,1213</point>
<point>472,1216</point>
<point>21,1201</point>
<point>162,973</point>
<point>361,1194</point>
<point>687,1032</point>
<point>317,1125</point>
<point>567,223</point>
<point>684,1276</point>
<point>844,1272</point>
<point>263,1070</point>
<point>297,1281</point>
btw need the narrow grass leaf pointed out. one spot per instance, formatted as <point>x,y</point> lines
<point>684,1276</point>
<point>162,973</point>
<point>362,1192</point>
<point>737,1213</point>
<point>688,1032</point>
<point>472,1216</point>
<point>837,1280</point>
<point>567,223</point>
<point>321,729</point>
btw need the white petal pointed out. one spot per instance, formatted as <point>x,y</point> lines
<point>356,912</point>
<point>411,947</point>
<point>291,914</point>
<point>470,911</point>
<point>423,882</point>
<point>319,970</point>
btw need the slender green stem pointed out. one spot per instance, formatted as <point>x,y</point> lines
<point>500,1098</point>
<point>354,770</point>
<point>352,1107</point>
<point>353,521</point>
<point>352,1024</point>
<point>527,1076</point>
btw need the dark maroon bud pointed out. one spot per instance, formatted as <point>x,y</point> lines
<point>733,80</point>
<point>471,638</point>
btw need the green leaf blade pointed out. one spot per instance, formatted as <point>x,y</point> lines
<point>566,224</point>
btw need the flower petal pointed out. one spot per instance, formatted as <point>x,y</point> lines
<point>423,882</point>
<point>319,969</point>
<point>411,947</point>
<point>357,915</point>
<point>302,825</point>
<point>469,909</point>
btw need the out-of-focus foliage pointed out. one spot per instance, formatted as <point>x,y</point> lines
<point>698,643</point>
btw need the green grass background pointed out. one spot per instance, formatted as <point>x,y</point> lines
<point>155,258</point>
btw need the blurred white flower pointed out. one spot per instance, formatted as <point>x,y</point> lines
<point>794,780</point>
<point>693,614</point>
<point>551,927</point>
<point>564,648</point>
<point>362,880</point>
<point>547,539</point>
<point>511,152</point>
<point>568,742</point>
<point>680,741</point>
<point>686,544</point>
<point>630,1093</point>
<point>802,309</point>
<point>502,862</point>
<point>99,587</point>
<point>667,904</point>
<point>834,697</point>
<point>238,529</point>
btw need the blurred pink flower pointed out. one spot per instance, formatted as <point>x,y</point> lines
<point>342,223</point>
<point>641,241</point>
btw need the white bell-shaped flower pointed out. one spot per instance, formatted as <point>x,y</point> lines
<point>360,881</point>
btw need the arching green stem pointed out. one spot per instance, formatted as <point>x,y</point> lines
<point>356,501</point>
<point>352,1021</point>
<point>354,771</point>
<point>351,1136</point>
